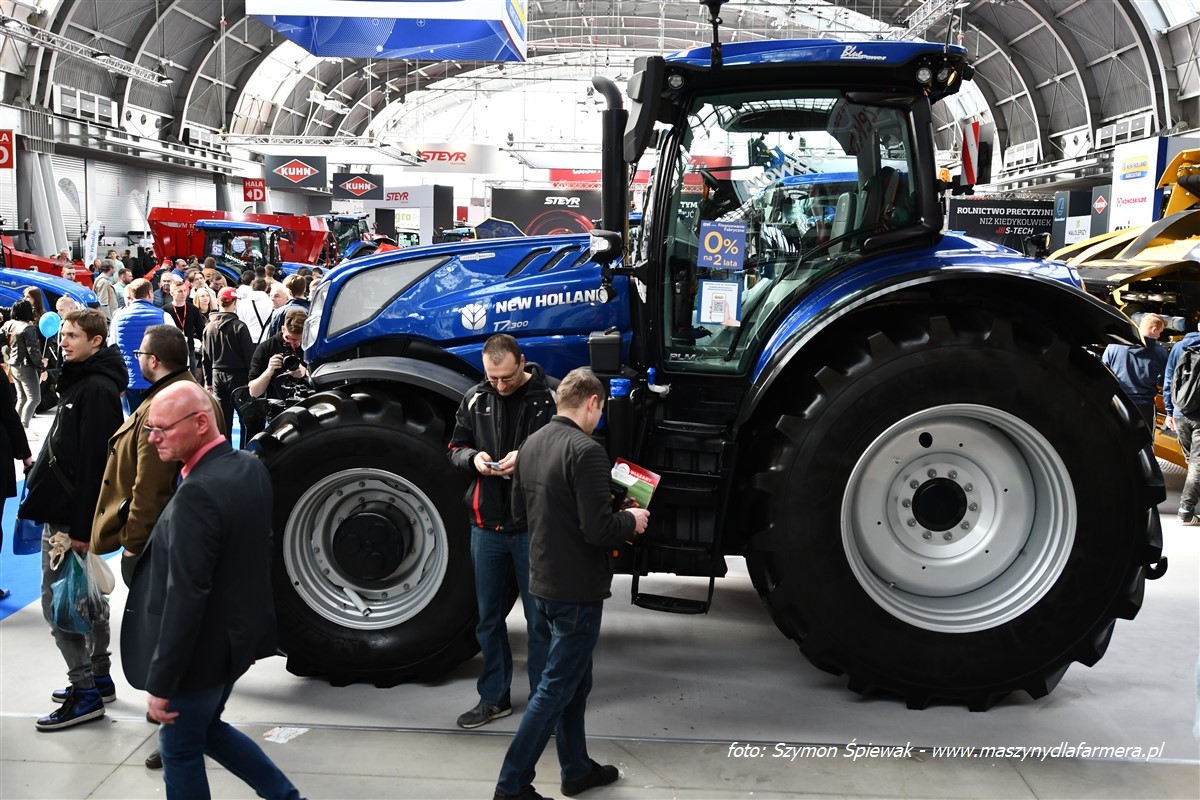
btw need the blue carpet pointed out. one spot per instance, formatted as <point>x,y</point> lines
<point>22,575</point>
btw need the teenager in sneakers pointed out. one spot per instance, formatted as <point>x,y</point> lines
<point>562,483</point>
<point>63,486</point>
<point>494,419</point>
<point>1187,431</point>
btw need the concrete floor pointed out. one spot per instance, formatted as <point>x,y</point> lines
<point>672,694</point>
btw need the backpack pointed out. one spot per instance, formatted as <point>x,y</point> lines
<point>1185,382</point>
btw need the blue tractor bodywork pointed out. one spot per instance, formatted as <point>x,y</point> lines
<point>902,431</point>
<point>13,284</point>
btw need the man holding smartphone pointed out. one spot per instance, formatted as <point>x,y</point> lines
<point>512,401</point>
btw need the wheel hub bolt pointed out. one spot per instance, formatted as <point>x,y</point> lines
<point>906,502</point>
<point>932,473</point>
<point>952,474</point>
<point>913,484</point>
<point>912,523</point>
<point>927,535</point>
<point>968,488</point>
<point>965,526</point>
<point>947,536</point>
<point>974,506</point>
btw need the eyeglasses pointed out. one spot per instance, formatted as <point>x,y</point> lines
<point>509,378</point>
<point>162,431</point>
<point>140,353</point>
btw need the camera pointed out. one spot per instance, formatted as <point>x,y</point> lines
<point>291,363</point>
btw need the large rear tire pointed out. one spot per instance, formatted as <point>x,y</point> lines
<point>955,507</point>
<point>372,570</point>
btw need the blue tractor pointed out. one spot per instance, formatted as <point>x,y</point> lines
<point>938,490</point>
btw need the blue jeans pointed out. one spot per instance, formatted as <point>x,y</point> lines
<point>199,731</point>
<point>497,557</point>
<point>1187,431</point>
<point>561,698</point>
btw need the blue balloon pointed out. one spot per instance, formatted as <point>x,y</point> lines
<point>49,324</point>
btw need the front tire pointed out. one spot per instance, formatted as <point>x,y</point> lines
<point>372,570</point>
<point>955,507</point>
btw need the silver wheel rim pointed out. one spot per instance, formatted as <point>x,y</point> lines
<point>354,602</point>
<point>1002,486</point>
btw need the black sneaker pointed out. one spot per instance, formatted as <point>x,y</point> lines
<point>1187,516</point>
<point>484,713</point>
<point>83,705</point>
<point>104,685</point>
<point>154,760</point>
<point>529,794</point>
<point>601,775</point>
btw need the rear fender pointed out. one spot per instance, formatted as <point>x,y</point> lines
<point>1076,316</point>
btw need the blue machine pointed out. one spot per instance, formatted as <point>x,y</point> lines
<point>937,489</point>
<point>13,283</point>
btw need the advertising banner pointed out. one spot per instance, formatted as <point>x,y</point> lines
<point>539,212</point>
<point>357,186</point>
<point>453,158</point>
<point>1135,193</point>
<point>1001,220</point>
<point>434,30</point>
<point>288,172</point>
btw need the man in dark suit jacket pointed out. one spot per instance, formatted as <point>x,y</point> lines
<point>187,647</point>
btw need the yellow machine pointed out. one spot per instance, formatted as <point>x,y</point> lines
<point>1153,268</point>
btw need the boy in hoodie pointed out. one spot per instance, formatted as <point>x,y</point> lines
<point>63,486</point>
<point>227,352</point>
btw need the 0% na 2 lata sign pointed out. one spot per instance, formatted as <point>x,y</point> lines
<point>722,244</point>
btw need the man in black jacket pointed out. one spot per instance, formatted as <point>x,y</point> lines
<point>63,486</point>
<point>227,352</point>
<point>200,610</point>
<point>493,421</point>
<point>562,484</point>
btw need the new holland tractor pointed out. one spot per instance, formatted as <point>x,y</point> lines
<point>937,489</point>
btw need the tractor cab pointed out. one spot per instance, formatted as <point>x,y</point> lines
<point>238,246</point>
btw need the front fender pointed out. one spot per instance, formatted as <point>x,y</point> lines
<point>434,378</point>
<point>1077,316</point>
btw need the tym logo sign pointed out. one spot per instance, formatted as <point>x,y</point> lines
<point>447,156</point>
<point>570,202</point>
<point>295,171</point>
<point>358,186</point>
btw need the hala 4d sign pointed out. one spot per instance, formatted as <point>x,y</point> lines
<point>254,190</point>
<point>357,186</point>
<point>8,154</point>
<point>289,172</point>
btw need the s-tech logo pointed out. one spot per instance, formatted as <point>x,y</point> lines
<point>570,202</point>
<point>358,186</point>
<point>295,171</point>
<point>397,197</point>
<point>452,156</point>
<point>852,53</point>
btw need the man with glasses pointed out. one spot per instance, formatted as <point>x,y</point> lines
<point>200,610</point>
<point>512,401</point>
<point>63,486</point>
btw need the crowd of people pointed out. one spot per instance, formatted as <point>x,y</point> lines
<point>139,459</point>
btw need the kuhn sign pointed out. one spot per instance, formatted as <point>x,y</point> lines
<point>357,185</point>
<point>307,172</point>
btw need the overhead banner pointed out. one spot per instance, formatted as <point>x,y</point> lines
<point>287,172</point>
<point>538,212</point>
<point>437,30</point>
<point>357,186</point>
<point>454,158</point>
<point>1000,220</point>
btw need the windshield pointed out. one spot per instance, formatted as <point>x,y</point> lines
<point>237,251</point>
<point>767,192</point>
